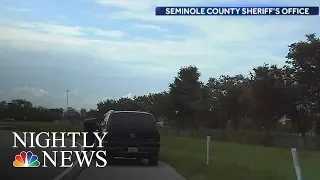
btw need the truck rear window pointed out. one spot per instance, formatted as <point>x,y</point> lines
<point>129,120</point>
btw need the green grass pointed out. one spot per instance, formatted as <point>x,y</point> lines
<point>230,161</point>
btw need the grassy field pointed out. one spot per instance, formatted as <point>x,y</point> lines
<point>49,127</point>
<point>228,161</point>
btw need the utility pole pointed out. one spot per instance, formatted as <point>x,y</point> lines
<point>66,114</point>
<point>67,99</point>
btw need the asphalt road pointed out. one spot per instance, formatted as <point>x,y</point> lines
<point>7,155</point>
<point>130,170</point>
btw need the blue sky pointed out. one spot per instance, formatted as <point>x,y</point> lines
<point>102,49</point>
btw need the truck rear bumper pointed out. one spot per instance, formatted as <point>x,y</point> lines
<point>142,152</point>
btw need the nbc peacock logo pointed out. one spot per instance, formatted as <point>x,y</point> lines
<point>26,159</point>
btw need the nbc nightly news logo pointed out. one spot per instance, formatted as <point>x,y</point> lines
<point>26,159</point>
<point>29,159</point>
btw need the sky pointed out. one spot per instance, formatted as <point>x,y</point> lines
<point>99,49</point>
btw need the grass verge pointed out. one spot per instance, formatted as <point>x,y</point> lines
<point>230,161</point>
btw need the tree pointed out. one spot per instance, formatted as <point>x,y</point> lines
<point>304,57</point>
<point>268,88</point>
<point>225,93</point>
<point>21,103</point>
<point>92,113</point>
<point>126,104</point>
<point>3,108</point>
<point>304,67</point>
<point>185,92</point>
<point>83,112</point>
<point>143,102</point>
<point>19,108</point>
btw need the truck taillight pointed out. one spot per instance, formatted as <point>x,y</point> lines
<point>158,139</point>
<point>106,138</point>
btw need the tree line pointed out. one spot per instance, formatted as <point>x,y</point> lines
<point>268,98</point>
<point>24,110</point>
<point>21,109</point>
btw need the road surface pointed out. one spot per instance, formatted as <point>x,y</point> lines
<point>130,170</point>
<point>7,155</point>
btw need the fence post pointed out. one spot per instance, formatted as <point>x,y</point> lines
<point>208,143</point>
<point>296,163</point>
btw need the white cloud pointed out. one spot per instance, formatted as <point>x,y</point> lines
<point>132,4</point>
<point>30,91</point>
<point>214,42</point>
<point>14,9</point>
<point>101,32</point>
<point>217,45</point>
<point>105,98</point>
<point>129,95</point>
<point>50,29</point>
<point>151,27</point>
<point>155,92</point>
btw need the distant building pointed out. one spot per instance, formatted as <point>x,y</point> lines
<point>83,112</point>
<point>161,122</point>
<point>72,116</point>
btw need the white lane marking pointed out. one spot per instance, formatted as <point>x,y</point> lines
<point>70,168</point>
